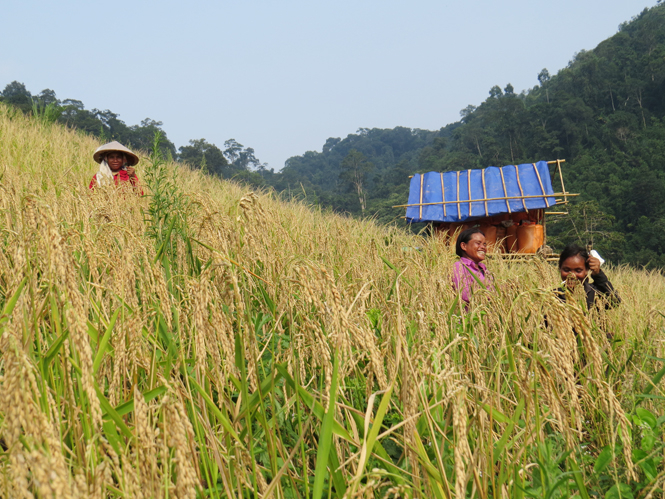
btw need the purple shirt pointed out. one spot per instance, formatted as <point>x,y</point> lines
<point>464,282</point>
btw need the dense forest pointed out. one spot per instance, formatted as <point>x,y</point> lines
<point>604,113</point>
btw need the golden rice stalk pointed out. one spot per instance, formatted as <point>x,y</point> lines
<point>462,453</point>
<point>34,447</point>
<point>200,296</point>
<point>64,272</point>
<point>180,437</point>
<point>146,449</point>
<point>409,397</point>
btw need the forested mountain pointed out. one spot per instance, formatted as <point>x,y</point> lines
<point>604,114</point>
<point>369,168</point>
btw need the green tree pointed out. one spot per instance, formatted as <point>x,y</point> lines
<point>354,170</point>
<point>543,79</point>
<point>199,154</point>
<point>47,96</point>
<point>18,96</point>
<point>232,150</point>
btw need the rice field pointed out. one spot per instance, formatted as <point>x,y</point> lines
<point>209,341</point>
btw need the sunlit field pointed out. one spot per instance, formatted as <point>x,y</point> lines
<point>208,341</point>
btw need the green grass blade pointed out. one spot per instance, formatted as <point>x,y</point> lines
<point>128,406</point>
<point>654,382</point>
<point>579,478</point>
<point>101,349</point>
<point>223,420</point>
<point>325,437</point>
<point>112,436</point>
<point>165,241</point>
<point>313,404</point>
<point>53,351</point>
<point>11,303</point>
<point>496,414</point>
<point>112,414</point>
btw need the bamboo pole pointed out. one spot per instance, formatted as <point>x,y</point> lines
<point>522,257</point>
<point>549,163</point>
<point>458,205</point>
<point>563,188</point>
<point>421,196</point>
<point>485,194</point>
<point>546,213</point>
<point>519,184</point>
<point>505,191</point>
<point>484,199</point>
<point>443,196</point>
<point>468,184</point>
<point>542,189</point>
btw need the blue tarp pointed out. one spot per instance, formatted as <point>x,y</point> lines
<point>533,180</point>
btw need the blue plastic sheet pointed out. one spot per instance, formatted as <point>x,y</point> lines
<point>518,182</point>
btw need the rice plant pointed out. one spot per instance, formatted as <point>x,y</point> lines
<point>46,113</point>
<point>209,341</point>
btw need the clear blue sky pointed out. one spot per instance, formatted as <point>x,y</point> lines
<point>283,76</point>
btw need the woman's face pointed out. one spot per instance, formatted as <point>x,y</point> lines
<point>573,266</point>
<point>476,248</point>
<point>115,160</point>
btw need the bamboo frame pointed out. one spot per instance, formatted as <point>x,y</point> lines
<point>458,202</point>
<point>561,201</point>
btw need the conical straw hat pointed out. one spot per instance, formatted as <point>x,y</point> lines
<point>115,146</point>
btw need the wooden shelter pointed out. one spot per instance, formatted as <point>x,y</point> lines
<point>509,203</point>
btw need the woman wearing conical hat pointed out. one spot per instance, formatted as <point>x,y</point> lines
<point>116,166</point>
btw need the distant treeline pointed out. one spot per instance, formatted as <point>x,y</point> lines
<point>604,113</point>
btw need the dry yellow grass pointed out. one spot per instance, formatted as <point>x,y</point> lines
<point>133,367</point>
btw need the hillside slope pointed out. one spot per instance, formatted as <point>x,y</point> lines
<point>604,114</point>
<point>205,340</point>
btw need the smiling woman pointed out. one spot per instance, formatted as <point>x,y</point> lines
<point>116,166</point>
<point>576,266</point>
<point>469,272</point>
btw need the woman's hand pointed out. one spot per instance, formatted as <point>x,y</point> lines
<point>131,171</point>
<point>594,265</point>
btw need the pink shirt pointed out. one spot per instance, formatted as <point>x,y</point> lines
<point>464,282</point>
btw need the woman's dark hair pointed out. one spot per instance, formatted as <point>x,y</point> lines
<point>574,250</point>
<point>464,237</point>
